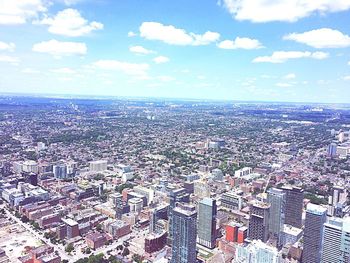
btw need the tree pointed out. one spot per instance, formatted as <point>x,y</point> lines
<point>69,248</point>
<point>99,227</point>
<point>137,258</point>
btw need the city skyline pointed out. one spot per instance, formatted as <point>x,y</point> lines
<point>220,50</point>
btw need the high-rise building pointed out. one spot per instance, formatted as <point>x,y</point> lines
<point>175,195</point>
<point>316,216</point>
<point>332,150</point>
<point>332,233</point>
<point>185,226</point>
<point>336,241</point>
<point>294,206</point>
<point>60,171</point>
<point>207,211</point>
<point>345,241</point>
<point>277,200</point>
<point>337,201</point>
<point>259,221</point>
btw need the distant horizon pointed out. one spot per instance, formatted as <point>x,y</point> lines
<point>226,50</point>
<point>110,97</point>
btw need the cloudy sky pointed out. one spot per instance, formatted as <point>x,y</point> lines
<point>268,50</point>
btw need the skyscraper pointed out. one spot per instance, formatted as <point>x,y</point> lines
<point>294,205</point>
<point>184,241</point>
<point>259,221</point>
<point>316,216</point>
<point>337,201</point>
<point>332,233</point>
<point>207,222</point>
<point>277,200</point>
<point>175,195</point>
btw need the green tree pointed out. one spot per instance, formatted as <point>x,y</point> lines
<point>69,248</point>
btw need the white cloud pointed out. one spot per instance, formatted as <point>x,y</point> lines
<point>320,55</point>
<point>175,36</point>
<point>283,85</point>
<point>165,78</point>
<point>131,34</point>
<point>30,71</point>
<point>7,46</point>
<point>9,59</point>
<point>69,22</point>
<point>283,56</point>
<point>136,69</point>
<point>346,77</point>
<point>290,76</point>
<point>282,10</point>
<point>321,38</point>
<point>240,42</point>
<point>140,50</point>
<point>63,71</point>
<point>349,63</point>
<point>57,48</point>
<point>161,59</point>
<point>13,12</point>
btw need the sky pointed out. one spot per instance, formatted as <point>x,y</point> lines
<point>255,50</point>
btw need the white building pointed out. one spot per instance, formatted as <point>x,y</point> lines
<point>257,252</point>
<point>98,166</point>
<point>148,193</point>
<point>243,172</point>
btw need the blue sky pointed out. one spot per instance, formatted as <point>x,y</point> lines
<point>276,50</point>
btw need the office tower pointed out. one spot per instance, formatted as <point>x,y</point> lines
<point>207,211</point>
<point>316,216</point>
<point>257,252</point>
<point>332,233</point>
<point>277,200</point>
<point>337,201</point>
<point>60,171</point>
<point>294,205</point>
<point>184,241</point>
<point>259,221</point>
<point>175,195</point>
<point>332,150</point>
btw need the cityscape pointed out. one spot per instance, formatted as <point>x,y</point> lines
<point>173,181</point>
<point>174,132</point>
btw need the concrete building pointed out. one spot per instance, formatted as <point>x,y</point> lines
<point>183,248</point>
<point>290,235</point>
<point>207,212</point>
<point>98,166</point>
<point>294,205</point>
<point>257,252</point>
<point>60,171</point>
<point>231,201</point>
<point>277,200</point>
<point>175,195</point>
<point>316,216</point>
<point>259,221</point>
